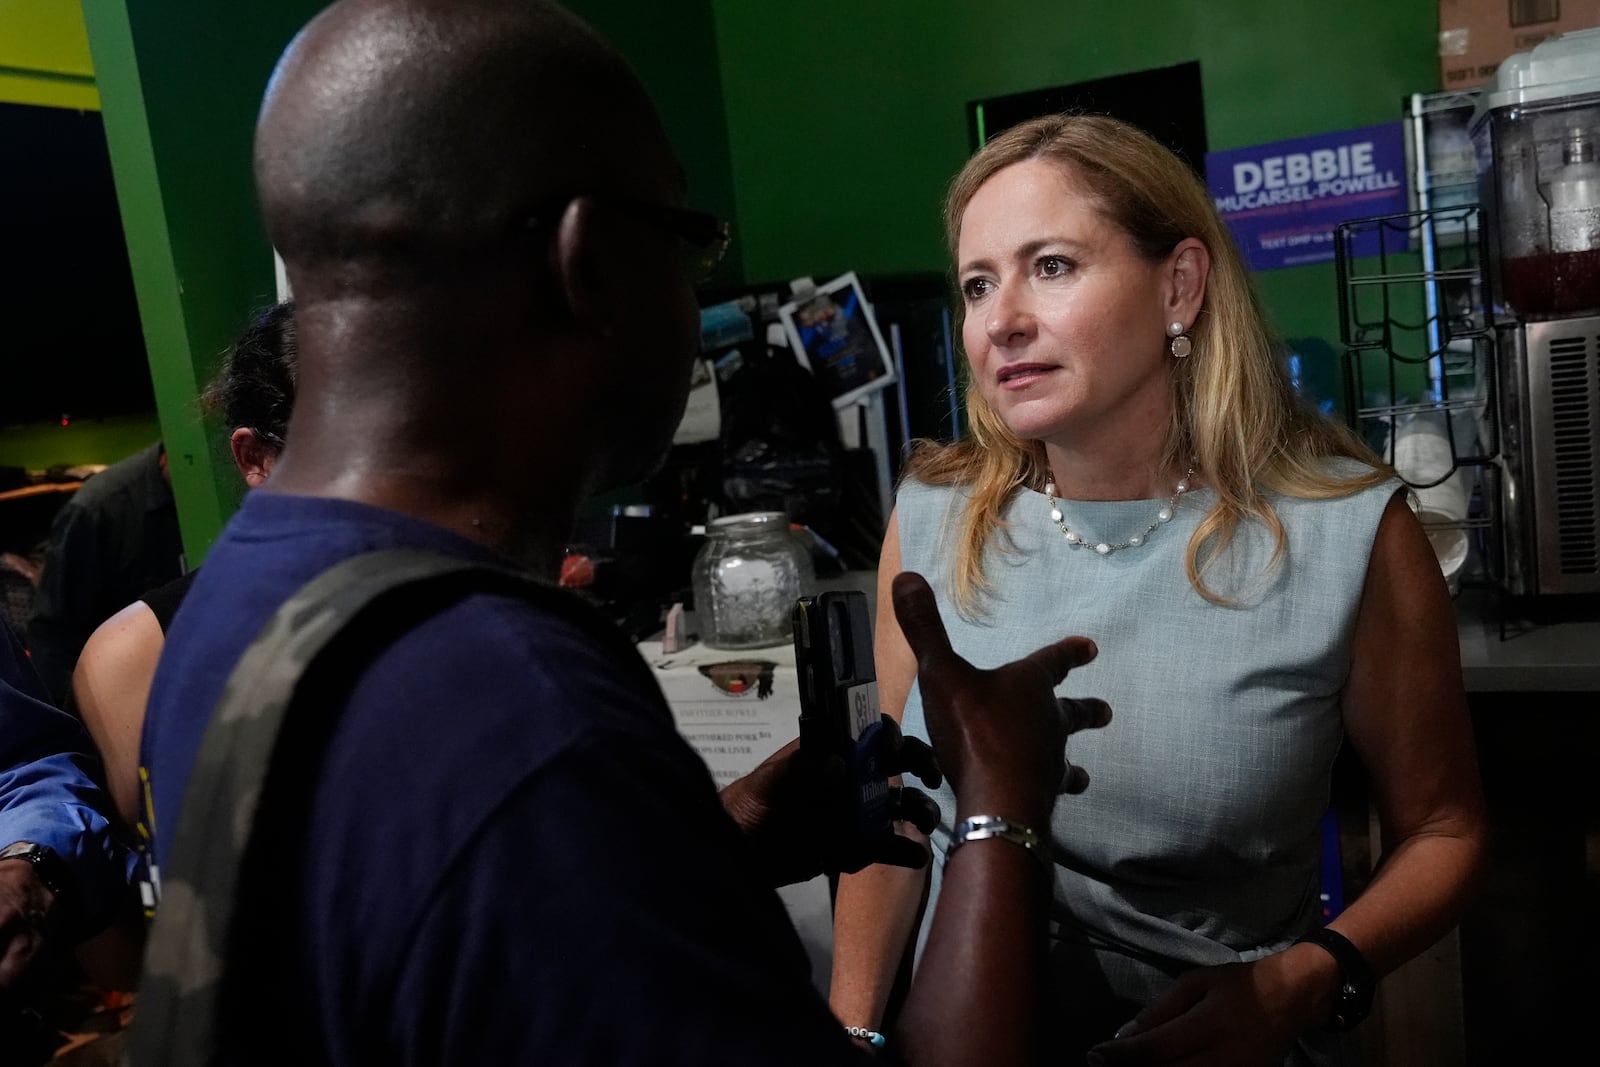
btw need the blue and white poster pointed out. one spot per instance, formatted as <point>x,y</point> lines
<point>1282,200</point>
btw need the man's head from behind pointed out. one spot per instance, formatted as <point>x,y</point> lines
<point>450,184</point>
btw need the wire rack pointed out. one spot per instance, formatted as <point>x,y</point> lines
<point>1420,371</point>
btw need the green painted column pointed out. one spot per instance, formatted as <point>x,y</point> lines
<point>180,84</point>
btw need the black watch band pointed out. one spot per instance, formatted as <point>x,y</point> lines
<point>1357,983</point>
<point>47,866</point>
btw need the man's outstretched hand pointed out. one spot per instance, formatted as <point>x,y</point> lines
<point>999,734</point>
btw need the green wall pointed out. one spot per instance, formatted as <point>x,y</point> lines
<point>847,119</point>
<point>673,48</point>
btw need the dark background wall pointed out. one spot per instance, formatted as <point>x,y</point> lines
<point>71,339</point>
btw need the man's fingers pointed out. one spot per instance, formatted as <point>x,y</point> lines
<point>912,805</point>
<point>1063,656</point>
<point>913,756</point>
<point>1074,780</point>
<point>1086,713</point>
<point>918,614</point>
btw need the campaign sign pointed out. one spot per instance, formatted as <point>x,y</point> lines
<point>1282,200</point>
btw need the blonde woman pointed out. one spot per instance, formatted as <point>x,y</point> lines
<point>1139,471</point>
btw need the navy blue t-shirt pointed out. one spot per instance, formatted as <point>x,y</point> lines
<point>512,856</point>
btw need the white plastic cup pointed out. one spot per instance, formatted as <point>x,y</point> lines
<point>1450,544</point>
<point>1422,454</point>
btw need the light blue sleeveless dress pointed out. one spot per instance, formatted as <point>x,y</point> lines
<point>1198,839</point>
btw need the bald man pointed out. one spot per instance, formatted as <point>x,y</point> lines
<point>511,856</point>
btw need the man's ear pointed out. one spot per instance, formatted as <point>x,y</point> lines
<point>575,265</point>
<point>253,456</point>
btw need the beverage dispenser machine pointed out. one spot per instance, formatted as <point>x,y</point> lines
<point>1536,139</point>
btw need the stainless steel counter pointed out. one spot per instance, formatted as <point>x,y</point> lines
<point>1554,654</point>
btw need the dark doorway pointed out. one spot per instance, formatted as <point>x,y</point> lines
<point>1165,102</point>
<point>70,338</point>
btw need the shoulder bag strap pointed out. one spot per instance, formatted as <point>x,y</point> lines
<point>266,738</point>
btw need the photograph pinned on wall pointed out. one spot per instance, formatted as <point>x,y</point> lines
<point>702,412</point>
<point>834,335</point>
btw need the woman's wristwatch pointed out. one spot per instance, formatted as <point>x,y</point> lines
<point>1357,983</point>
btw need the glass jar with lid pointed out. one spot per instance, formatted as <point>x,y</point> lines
<point>746,578</point>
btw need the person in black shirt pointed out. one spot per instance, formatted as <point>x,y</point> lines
<point>114,540</point>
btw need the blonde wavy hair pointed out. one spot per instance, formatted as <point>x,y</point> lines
<point>1233,408</point>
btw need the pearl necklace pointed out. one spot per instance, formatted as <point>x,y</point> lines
<point>1105,548</point>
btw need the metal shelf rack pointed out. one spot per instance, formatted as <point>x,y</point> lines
<point>1420,355</point>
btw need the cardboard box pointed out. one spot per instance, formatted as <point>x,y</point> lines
<point>1476,35</point>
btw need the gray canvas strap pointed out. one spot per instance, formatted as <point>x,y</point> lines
<point>261,750</point>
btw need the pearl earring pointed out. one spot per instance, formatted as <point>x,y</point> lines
<point>1181,345</point>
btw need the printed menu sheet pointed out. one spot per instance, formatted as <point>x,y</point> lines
<point>736,709</point>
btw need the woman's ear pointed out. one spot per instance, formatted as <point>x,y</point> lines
<point>252,455</point>
<point>1188,267</point>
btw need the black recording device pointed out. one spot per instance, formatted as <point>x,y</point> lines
<point>841,728</point>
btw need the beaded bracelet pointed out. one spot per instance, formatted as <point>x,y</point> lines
<point>981,827</point>
<point>871,1037</point>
